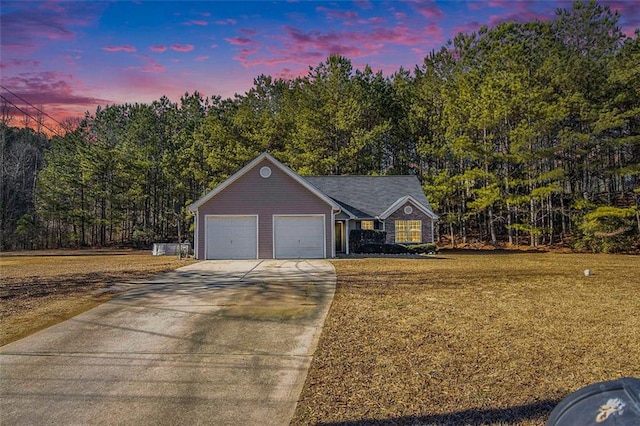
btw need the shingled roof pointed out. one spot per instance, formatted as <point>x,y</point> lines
<point>370,196</point>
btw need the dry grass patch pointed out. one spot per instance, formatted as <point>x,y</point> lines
<point>39,289</point>
<point>466,338</point>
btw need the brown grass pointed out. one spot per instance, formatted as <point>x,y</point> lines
<point>471,338</point>
<point>39,289</point>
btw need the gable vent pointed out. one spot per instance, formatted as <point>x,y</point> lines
<point>265,172</point>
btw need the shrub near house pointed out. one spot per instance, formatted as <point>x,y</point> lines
<point>372,241</point>
<point>360,238</point>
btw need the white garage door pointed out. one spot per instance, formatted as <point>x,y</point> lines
<point>231,237</point>
<point>299,237</point>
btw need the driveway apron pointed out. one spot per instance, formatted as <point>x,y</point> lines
<point>216,342</point>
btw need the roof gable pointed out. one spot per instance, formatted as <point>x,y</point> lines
<point>372,196</point>
<point>401,202</point>
<point>293,175</point>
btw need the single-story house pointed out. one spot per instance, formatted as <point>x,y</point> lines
<point>266,210</point>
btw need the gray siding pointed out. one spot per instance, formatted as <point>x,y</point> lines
<point>252,194</point>
<point>427,223</point>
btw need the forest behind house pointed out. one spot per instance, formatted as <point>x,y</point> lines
<point>521,134</point>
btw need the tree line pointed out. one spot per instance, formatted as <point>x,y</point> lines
<point>523,133</point>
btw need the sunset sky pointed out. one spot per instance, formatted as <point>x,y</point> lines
<point>70,57</point>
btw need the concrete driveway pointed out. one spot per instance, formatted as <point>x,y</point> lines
<point>217,342</point>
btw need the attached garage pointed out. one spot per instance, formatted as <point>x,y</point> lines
<point>231,237</point>
<point>264,211</point>
<point>299,236</point>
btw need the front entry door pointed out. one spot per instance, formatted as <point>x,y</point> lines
<point>340,238</point>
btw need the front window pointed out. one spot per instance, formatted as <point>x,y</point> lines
<point>408,231</point>
<point>366,224</point>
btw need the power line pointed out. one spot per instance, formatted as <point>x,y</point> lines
<point>34,107</point>
<point>31,116</point>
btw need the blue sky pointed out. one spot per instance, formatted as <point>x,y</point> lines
<point>70,57</point>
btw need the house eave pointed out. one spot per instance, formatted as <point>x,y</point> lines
<point>348,213</point>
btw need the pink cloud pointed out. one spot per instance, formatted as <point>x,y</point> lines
<point>400,15</point>
<point>152,66</point>
<point>500,3</point>
<point>49,87</point>
<point>239,41</point>
<point>67,117</point>
<point>28,26</point>
<point>17,63</point>
<point>125,48</point>
<point>303,48</point>
<point>435,31</point>
<point>158,48</point>
<point>373,47</point>
<point>243,56</point>
<point>428,9</point>
<point>201,58</point>
<point>182,47</point>
<point>399,35</point>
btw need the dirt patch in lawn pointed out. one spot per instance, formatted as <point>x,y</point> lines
<point>465,338</point>
<point>39,289</point>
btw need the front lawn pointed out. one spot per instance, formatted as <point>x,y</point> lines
<point>471,338</point>
<point>42,288</point>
